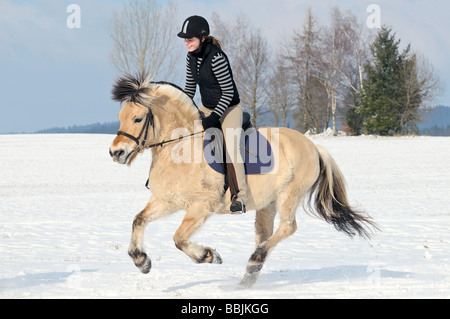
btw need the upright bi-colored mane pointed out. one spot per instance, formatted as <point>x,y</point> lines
<point>129,88</point>
<point>137,89</point>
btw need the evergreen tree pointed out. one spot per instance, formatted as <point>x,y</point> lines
<point>382,96</point>
<point>354,120</point>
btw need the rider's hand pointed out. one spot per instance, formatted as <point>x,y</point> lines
<point>211,121</point>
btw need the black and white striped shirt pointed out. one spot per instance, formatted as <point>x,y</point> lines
<point>221,72</point>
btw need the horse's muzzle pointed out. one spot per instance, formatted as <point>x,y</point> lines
<point>120,156</point>
<point>116,154</point>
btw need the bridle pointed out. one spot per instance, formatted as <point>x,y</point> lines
<point>149,120</point>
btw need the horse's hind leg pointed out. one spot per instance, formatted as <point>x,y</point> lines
<point>264,223</point>
<point>195,217</point>
<point>152,211</point>
<point>287,204</point>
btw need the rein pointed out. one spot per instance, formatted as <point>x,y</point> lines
<point>172,140</point>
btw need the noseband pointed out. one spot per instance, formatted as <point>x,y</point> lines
<point>144,131</point>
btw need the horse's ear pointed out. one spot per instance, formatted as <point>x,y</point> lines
<point>154,90</point>
<point>162,99</point>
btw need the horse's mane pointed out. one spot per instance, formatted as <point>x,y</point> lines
<point>180,90</point>
<point>129,88</point>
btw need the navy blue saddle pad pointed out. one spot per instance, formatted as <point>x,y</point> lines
<point>257,152</point>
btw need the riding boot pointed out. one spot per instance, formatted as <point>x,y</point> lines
<point>237,184</point>
<point>238,205</point>
<point>232,129</point>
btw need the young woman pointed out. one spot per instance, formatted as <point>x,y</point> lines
<point>208,67</point>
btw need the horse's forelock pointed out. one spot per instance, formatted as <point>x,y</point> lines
<point>132,89</point>
<point>137,89</point>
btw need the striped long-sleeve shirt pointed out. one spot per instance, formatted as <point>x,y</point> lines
<point>221,72</point>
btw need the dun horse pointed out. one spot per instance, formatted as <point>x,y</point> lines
<point>152,111</point>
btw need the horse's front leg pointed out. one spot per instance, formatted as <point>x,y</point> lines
<point>155,209</point>
<point>195,216</point>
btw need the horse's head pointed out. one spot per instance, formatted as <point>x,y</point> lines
<point>139,127</point>
<point>136,117</point>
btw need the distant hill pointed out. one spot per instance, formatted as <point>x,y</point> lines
<point>97,128</point>
<point>438,116</point>
<point>436,131</point>
<point>436,123</point>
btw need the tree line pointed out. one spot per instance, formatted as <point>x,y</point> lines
<point>96,128</point>
<point>313,79</point>
<point>436,131</point>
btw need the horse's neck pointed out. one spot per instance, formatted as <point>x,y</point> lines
<point>175,124</point>
<point>174,120</point>
<point>176,115</point>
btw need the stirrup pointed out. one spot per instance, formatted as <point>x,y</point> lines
<point>237,206</point>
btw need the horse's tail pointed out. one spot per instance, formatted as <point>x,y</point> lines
<point>328,200</point>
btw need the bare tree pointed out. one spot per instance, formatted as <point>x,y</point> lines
<point>299,55</point>
<point>330,59</point>
<point>234,46</point>
<point>254,76</point>
<point>143,38</point>
<point>357,37</point>
<point>281,93</point>
<point>420,86</point>
<point>249,57</point>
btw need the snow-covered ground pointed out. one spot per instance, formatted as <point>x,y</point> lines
<point>66,211</point>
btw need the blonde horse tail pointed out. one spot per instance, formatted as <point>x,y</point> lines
<point>328,200</point>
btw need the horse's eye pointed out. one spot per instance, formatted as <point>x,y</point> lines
<point>138,120</point>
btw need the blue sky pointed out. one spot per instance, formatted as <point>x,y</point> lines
<point>53,76</point>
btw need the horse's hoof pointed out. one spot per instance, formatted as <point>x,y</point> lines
<point>250,276</point>
<point>211,256</point>
<point>141,260</point>
<point>216,257</point>
<point>247,282</point>
<point>146,266</point>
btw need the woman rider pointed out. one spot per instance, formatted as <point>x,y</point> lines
<point>208,66</point>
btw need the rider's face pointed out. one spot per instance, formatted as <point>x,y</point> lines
<point>192,44</point>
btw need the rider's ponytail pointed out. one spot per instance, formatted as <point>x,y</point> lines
<point>214,41</point>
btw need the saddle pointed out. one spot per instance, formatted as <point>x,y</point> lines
<point>246,121</point>
<point>255,151</point>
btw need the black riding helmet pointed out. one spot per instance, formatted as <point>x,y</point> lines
<point>194,26</point>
